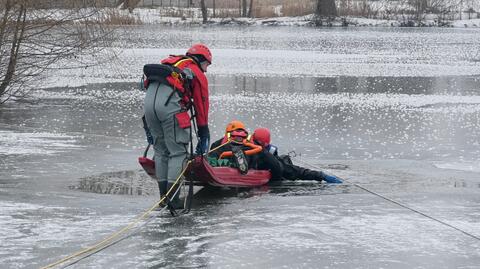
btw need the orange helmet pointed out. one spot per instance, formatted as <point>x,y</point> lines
<point>234,125</point>
<point>262,136</point>
<point>202,50</point>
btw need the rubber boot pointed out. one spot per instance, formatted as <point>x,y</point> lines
<point>286,159</point>
<point>162,189</point>
<point>240,159</point>
<point>307,174</point>
<point>320,176</point>
<point>175,201</point>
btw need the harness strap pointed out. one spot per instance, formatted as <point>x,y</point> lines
<point>178,74</point>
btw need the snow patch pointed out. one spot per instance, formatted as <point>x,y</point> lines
<point>461,166</point>
<point>14,143</point>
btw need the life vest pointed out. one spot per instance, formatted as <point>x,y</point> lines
<point>172,74</point>
<point>240,137</point>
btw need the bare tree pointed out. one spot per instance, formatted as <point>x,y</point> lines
<point>326,8</point>
<point>250,9</point>
<point>204,11</point>
<point>244,8</point>
<point>33,41</point>
<point>129,4</point>
<point>214,9</point>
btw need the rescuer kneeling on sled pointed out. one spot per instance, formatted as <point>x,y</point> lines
<point>173,87</point>
<point>289,171</point>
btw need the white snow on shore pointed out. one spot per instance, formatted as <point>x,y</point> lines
<point>157,16</point>
<point>192,16</point>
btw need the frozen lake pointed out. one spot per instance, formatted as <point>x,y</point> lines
<point>394,110</point>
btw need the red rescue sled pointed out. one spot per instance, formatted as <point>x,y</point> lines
<point>202,173</point>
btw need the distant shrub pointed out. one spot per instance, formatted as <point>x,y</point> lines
<point>116,17</point>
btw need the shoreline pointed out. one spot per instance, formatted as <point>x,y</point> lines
<point>155,17</point>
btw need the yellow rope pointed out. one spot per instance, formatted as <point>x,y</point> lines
<point>228,142</point>
<point>126,228</point>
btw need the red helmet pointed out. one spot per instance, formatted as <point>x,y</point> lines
<point>262,136</point>
<point>200,49</point>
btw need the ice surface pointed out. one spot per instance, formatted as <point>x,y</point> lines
<point>463,166</point>
<point>396,109</point>
<point>15,143</point>
<point>283,51</point>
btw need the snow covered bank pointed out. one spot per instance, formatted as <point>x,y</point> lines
<point>157,16</point>
<point>192,16</point>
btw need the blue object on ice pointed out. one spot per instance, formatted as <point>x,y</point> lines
<point>331,179</point>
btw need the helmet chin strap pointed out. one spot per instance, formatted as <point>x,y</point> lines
<point>195,58</point>
<point>201,66</point>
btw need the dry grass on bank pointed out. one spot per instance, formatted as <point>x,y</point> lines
<point>264,8</point>
<point>117,17</point>
<point>275,8</point>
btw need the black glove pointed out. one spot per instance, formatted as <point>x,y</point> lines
<point>148,134</point>
<point>203,140</point>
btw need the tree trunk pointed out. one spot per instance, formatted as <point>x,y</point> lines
<point>204,11</point>
<point>128,4</point>
<point>214,15</point>
<point>3,25</point>
<point>30,47</point>
<point>244,8</point>
<point>326,8</point>
<point>250,9</point>
<point>14,47</point>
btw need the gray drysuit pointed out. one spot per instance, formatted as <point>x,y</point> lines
<point>170,141</point>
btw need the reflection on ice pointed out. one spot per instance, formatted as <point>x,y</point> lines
<point>122,183</point>
<point>36,143</point>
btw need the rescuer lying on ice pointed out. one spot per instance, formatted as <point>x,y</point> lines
<point>289,171</point>
<point>266,158</point>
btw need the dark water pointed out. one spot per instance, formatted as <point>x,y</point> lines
<point>414,139</point>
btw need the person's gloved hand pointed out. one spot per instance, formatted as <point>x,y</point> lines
<point>202,145</point>
<point>331,179</point>
<point>272,149</point>
<point>203,140</point>
<point>149,136</point>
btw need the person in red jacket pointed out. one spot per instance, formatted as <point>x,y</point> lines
<point>173,87</point>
